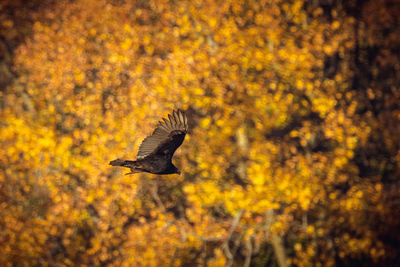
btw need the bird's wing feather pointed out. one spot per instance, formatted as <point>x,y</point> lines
<point>167,137</point>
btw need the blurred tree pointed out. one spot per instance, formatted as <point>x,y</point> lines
<point>293,156</point>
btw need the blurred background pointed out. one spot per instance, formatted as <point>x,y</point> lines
<point>293,154</point>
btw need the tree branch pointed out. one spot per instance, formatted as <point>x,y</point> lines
<point>225,245</point>
<point>276,240</point>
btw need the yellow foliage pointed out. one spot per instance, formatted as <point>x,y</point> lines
<point>277,147</point>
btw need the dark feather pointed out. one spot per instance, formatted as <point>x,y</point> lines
<point>156,151</point>
<point>166,138</point>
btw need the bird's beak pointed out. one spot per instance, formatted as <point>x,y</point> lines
<point>178,172</point>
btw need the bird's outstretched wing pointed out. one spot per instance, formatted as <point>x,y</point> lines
<point>167,137</point>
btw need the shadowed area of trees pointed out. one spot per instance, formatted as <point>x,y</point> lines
<point>293,153</point>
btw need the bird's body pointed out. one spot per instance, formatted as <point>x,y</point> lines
<point>156,164</point>
<point>156,151</point>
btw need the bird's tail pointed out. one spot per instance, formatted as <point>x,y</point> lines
<point>133,165</point>
<point>127,163</point>
<point>123,163</point>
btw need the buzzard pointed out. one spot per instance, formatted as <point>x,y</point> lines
<point>156,151</point>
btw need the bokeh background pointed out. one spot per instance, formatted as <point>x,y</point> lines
<point>293,155</point>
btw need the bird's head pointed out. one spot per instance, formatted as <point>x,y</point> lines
<point>175,170</point>
<point>172,169</point>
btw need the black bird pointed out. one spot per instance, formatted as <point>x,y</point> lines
<point>156,151</point>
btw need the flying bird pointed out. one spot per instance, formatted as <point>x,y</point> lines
<point>156,151</point>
